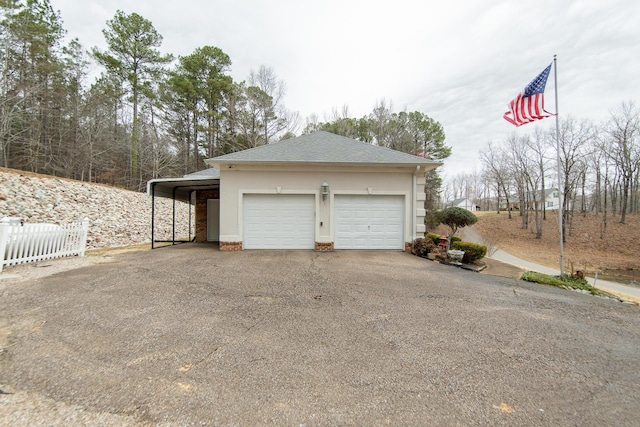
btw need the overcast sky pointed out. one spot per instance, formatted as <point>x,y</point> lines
<point>458,61</point>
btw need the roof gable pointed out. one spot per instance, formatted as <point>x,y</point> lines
<point>322,147</point>
<point>461,200</point>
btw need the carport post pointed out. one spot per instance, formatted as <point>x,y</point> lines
<point>153,212</point>
<point>173,235</point>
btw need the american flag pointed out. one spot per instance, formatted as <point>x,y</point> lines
<point>528,106</point>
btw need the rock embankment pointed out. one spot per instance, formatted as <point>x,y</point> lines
<point>117,217</point>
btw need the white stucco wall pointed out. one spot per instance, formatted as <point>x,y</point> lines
<point>282,179</point>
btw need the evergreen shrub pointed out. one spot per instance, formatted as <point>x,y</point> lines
<point>472,251</point>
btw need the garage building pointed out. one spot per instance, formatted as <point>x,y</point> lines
<point>318,191</point>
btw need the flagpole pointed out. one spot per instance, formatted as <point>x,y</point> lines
<point>560,189</point>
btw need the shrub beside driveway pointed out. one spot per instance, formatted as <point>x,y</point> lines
<point>189,334</point>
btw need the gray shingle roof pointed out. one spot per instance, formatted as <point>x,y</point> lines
<point>204,174</point>
<point>458,201</point>
<point>322,147</point>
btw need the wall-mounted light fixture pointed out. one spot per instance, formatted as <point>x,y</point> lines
<point>324,190</point>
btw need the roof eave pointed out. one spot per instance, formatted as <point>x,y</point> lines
<point>169,187</point>
<point>430,163</point>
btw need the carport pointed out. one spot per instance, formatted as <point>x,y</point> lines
<point>183,190</point>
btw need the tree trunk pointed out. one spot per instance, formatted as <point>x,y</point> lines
<point>598,195</point>
<point>195,142</point>
<point>134,135</point>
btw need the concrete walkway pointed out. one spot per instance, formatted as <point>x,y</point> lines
<point>624,291</point>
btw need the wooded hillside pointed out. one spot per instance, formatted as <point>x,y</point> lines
<point>148,114</point>
<point>586,248</point>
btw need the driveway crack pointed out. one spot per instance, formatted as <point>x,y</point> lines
<point>186,368</point>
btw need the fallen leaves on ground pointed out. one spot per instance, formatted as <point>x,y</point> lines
<point>504,408</point>
<point>588,247</point>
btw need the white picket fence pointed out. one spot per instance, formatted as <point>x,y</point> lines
<point>20,243</point>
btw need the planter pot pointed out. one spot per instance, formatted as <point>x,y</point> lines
<point>456,255</point>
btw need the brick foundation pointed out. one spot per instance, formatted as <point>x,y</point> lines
<point>231,246</point>
<point>324,246</point>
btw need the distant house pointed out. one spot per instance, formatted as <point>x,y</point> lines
<point>552,199</point>
<point>551,196</point>
<point>464,204</point>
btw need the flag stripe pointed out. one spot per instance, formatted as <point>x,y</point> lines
<point>528,105</point>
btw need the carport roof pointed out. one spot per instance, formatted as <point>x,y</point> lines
<point>324,148</point>
<point>181,188</point>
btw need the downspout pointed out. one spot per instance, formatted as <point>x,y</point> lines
<point>415,204</point>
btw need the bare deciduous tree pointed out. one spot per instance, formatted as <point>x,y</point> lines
<point>624,149</point>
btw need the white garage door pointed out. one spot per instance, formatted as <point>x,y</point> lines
<point>368,222</point>
<point>278,221</point>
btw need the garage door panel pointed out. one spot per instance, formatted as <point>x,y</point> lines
<point>278,221</point>
<point>343,228</point>
<point>360,228</point>
<point>360,243</point>
<point>378,243</point>
<point>368,222</point>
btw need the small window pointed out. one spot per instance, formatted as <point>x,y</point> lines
<point>555,194</point>
<point>549,204</point>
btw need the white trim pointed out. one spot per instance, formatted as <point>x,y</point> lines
<point>414,201</point>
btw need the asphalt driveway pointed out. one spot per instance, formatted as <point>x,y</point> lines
<point>189,335</point>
